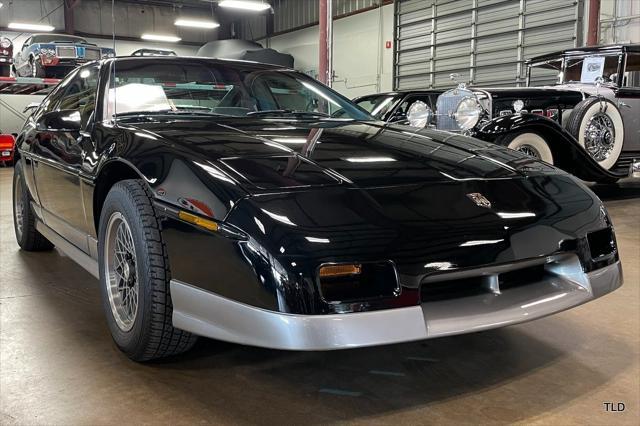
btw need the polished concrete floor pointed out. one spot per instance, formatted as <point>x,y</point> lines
<point>58,364</point>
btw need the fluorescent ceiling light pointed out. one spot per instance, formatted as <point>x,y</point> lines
<point>158,37</point>
<point>1,5</point>
<point>30,27</point>
<point>245,5</point>
<point>196,24</point>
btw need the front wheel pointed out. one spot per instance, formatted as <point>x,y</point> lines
<point>36,69</point>
<point>529,143</point>
<point>135,276</point>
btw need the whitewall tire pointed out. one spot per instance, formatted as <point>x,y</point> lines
<point>533,145</point>
<point>597,125</point>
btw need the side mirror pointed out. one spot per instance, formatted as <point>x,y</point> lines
<point>419,114</point>
<point>68,120</point>
<point>31,107</point>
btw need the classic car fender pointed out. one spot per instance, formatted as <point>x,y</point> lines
<point>568,154</point>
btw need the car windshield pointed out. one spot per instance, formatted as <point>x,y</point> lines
<point>546,73</point>
<point>53,38</point>
<point>377,105</point>
<point>215,88</point>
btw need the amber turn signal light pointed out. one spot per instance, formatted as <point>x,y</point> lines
<point>197,220</point>
<point>330,271</point>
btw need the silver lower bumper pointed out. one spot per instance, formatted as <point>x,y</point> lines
<point>210,315</point>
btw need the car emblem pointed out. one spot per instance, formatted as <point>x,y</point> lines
<point>479,199</point>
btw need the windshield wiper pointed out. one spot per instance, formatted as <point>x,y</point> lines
<point>287,112</point>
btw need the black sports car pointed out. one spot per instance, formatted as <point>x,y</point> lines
<point>250,203</point>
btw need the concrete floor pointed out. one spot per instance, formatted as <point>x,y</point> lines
<point>58,364</point>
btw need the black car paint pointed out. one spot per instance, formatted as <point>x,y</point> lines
<point>414,211</point>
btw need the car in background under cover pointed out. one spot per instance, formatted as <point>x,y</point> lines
<point>585,118</point>
<point>6,56</point>
<point>249,203</point>
<point>54,55</point>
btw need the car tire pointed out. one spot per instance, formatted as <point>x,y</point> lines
<point>134,270</point>
<point>24,220</point>
<point>36,69</point>
<point>529,143</point>
<point>601,119</point>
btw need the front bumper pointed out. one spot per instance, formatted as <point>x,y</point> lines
<point>213,316</point>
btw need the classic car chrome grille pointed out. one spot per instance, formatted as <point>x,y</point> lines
<point>92,54</point>
<point>66,51</point>
<point>446,106</point>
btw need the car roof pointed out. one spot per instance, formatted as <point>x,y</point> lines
<point>579,51</point>
<point>196,59</point>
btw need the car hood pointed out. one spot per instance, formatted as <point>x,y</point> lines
<point>565,92</point>
<point>267,155</point>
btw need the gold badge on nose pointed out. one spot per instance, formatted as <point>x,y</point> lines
<point>479,199</point>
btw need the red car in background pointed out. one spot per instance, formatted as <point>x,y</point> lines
<point>7,146</point>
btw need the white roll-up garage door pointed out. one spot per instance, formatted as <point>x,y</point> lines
<point>485,41</point>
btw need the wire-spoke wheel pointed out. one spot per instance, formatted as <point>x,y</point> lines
<point>135,276</point>
<point>120,264</point>
<point>529,143</point>
<point>597,125</point>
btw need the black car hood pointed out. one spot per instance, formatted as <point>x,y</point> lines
<point>275,154</point>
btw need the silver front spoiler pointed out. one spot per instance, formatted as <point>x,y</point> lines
<point>213,316</point>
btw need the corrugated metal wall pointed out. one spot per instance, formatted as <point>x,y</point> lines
<point>291,14</point>
<point>485,41</point>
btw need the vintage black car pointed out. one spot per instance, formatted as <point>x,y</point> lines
<point>249,203</point>
<point>6,56</point>
<point>586,120</point>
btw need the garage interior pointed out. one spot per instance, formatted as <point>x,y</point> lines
<point>59,365</point>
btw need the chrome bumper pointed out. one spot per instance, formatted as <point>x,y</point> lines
<point>210,315</point>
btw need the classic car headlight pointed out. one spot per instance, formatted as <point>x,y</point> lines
<point>5,43</point>
<point>47,52</point>
<point>468,113</point>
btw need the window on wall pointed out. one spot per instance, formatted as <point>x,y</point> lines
<point>619,21</point>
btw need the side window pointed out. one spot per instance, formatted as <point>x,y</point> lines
<point>51,102</point>
<point>26,43</point>
<point>631,76</point>
<point>80,92</point>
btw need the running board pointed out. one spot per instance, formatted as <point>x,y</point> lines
<point>77,255</point>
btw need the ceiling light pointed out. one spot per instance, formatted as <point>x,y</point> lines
<point>1,5</point>
<point>245,5</point>
<point>158,37</point>
<point>196,24</point>
<point>30,27</point>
